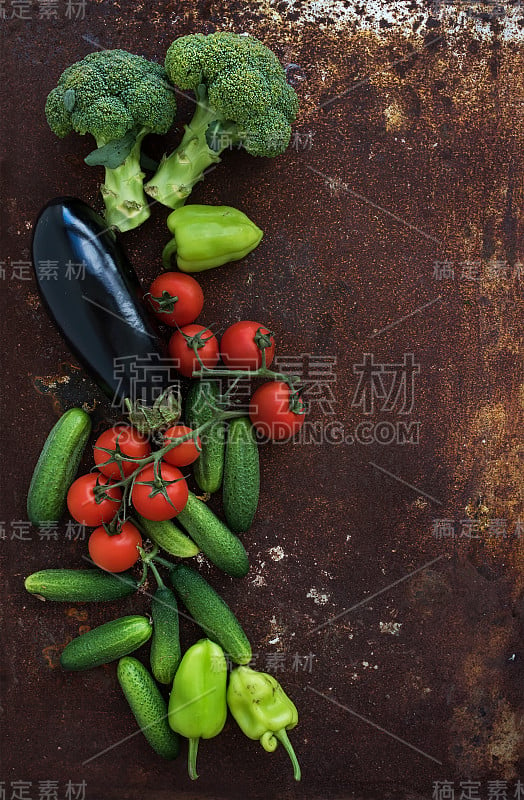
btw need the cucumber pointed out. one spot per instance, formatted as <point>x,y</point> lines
<point>202,400</point>
<point>57,466</point>
<point>167,536</point>
<point>80,585</point>
<point>148,706</point>
<point>165,644</point>
<point>241,475</point>
<point>214,538</point>
<point>211,612</point>
<point>106,643</point>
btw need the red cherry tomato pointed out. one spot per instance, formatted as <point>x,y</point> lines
<point>130,443</point>
<point>239,348</point>
<point>185,452</point>
<point>181,349</point>
<point>115,553</point>
<point>92,500</point>
<point>176,299</point>
<point>149,496</point>
<point>275,413</point>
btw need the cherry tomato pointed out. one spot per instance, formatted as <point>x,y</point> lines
<point>275,413</point>
<point>149,495</point>
<point>239,349</point>
<point>89,509</point>
<point>176,298</point>
<point>115,553</point>
<point>181,349</point>
<point>130,443</point>
<point>185,452</point>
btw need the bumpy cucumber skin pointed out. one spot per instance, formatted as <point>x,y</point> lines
<point>211,612</point>
<point>214,538</point>
<point>106,643</point>
<point>167,536</point>
<point>148,707</point>
<point>208,469</point>
<point>80,585</point>
<point>241,475</point>
<point>57,466</point>
<point>165,644</point>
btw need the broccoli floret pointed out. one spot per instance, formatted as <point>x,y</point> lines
<point>118,98</point>
<point>242,99</point>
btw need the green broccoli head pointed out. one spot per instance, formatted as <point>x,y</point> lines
<point>246,86</point>
<point>108,93</point>
<point>118,98</point>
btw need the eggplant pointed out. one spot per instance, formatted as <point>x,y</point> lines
<point>94,296</point>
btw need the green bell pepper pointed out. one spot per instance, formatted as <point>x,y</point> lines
<point>263,710</point>
<point>197,704</point>
<point>209,236</point>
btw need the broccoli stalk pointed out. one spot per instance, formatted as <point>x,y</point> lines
<point>126,205</point>
<point>242,98</point>
<point>179,172</point>
<point>118,98</point>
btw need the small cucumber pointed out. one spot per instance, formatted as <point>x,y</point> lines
<point>148,706</point>
<point>202,401</point>
<point>214,538</point>
<point>80,585</point>
<point>106,643</point>
<point>241,475</point>
<point>211,612</point>
<point>167,536</point>
<point>165,644</point>
<point>57,466</point>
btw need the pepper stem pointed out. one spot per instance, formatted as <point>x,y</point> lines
<point>283,738</point>
<point>192,757</point>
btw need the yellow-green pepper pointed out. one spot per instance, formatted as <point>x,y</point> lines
<point>197,704</point>
<point>263,710</point>
<point>209,236</point>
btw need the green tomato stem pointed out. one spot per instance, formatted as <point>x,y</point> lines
<point>261,372</point>
<point>129,482</point>
<point>160,582</point>
<point>144,574</point>
<point>164,562</point>
<point>149,558</point>
<point>159,454</point>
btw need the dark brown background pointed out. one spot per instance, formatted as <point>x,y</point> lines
<point>430,131</point>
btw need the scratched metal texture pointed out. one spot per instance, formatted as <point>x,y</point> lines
<point>409,153</point>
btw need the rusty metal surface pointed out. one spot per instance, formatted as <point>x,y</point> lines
<point>409,157</point>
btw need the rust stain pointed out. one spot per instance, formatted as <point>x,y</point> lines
<point>33,301</point>
<point>83,629</point>
<point>71,386</point>
<point>478,511</point>
<point>52,381</point>
<point>78,614</point>
<point>52,653</point>
<point>489,729</point>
